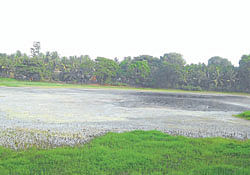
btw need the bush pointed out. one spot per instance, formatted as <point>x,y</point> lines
<point>191,88</point>
<point>118,84</point>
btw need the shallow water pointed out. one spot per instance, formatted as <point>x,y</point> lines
<point>71,110</point>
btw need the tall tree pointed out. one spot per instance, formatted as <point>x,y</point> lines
<point>35,50</point>
<point>154,65</point>
<point>220,73</point>
<point>139,72</point>
<point>123,70</point>
<point>106,70</point>
<point>171,71</point>
<point>196,76</point>
<point>173,58</point>
<point>244,73</point>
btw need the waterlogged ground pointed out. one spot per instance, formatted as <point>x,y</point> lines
<point>50,117</point>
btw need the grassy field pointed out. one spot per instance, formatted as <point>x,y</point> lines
<point>137,152</point>
<point>244,115</point>
<point>15,83</point>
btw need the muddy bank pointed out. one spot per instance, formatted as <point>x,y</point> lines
<point>55,116</point>
<point>188,101</point>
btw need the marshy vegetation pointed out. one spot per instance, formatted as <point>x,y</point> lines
<point>136,152</point>
<point>244,115</point>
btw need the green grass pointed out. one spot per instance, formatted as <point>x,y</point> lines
<point>16,83</point>
<point>137,152</point>
<point>244,115</point>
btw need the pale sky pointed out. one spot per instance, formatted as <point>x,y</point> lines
<point>198,29</point>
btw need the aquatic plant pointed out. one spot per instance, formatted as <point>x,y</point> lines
<point>245,115</point>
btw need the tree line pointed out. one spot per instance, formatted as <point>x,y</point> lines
<point>168,71</point>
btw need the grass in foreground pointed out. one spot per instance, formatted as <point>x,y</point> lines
<point>9,82</point>
<point>137,152</point>
<point>244,115</point>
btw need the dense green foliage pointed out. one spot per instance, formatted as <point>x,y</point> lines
<point>244,72</point>
<point>245,115</point>
<point>137,152</point>
<point>168,71</point>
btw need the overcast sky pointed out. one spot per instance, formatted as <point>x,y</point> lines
<point>198,29</point>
